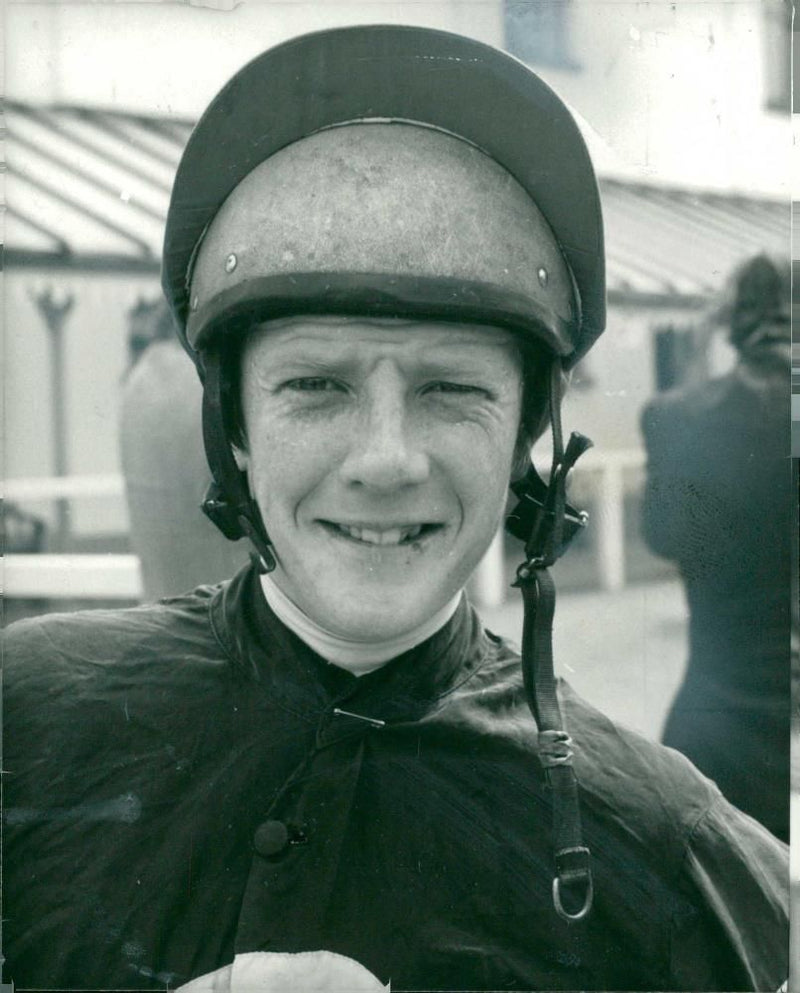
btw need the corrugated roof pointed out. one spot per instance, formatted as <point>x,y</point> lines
<point>89,188</point>
<point>86,185</point>
<point>675,242</point>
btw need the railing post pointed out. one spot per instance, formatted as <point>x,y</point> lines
<point>55,313</point>
<point>611,526</point>
<point>489,586</point>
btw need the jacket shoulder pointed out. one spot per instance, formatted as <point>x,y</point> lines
<point>688,403</point>
<point>50,653</point>
<point>652,790</point>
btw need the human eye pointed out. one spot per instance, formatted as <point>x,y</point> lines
<point>446,388</point>
<point>314,384</point>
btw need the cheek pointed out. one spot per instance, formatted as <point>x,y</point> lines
<point>480,466</point>
<point>283,465</point>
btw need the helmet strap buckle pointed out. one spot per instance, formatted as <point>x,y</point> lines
<point>542,518</point>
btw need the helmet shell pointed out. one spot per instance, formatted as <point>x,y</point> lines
<point>401,74</point>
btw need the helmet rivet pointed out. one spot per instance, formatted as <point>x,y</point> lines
<point>194,303</point>
<point>542,274</point>
<point>230,263</point>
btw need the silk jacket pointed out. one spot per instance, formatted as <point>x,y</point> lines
<point>187,783</point>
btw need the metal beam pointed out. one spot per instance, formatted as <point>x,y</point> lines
<point>25,258</point>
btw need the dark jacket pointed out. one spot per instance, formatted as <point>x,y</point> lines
<point>146,747</point>
<point>719,502</point>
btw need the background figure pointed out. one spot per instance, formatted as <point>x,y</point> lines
<point>719,502</point>
<point>165,469</point>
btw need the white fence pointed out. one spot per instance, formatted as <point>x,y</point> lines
<point>599,476</point>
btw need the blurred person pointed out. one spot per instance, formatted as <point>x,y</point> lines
<point>384,253</point>
<point>719,502</point>
<point>164,466</point>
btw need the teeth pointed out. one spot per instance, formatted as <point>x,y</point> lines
<point>392,536</point>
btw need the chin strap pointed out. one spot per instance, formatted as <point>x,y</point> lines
<point>227,502</point>
<point>546,523</point>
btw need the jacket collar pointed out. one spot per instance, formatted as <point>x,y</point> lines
<point>265,651</point>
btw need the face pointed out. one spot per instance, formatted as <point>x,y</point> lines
<point>379,453</point>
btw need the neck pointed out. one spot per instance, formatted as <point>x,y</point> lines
<point>358,657</point>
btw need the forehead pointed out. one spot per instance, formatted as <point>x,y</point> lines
<point>328,336</point>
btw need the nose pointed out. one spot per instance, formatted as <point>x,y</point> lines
<point>386,450</point>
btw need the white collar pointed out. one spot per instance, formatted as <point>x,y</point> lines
<point>358,657</point>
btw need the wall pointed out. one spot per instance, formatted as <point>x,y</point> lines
<point>170,58</point>
<point>678,90</point>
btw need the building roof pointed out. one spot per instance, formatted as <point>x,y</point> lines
<point>88,188</point>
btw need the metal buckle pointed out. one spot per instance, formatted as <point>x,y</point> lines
<point>587,904</point>
<point>525,572</point>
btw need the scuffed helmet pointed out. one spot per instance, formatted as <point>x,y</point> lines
<point>468,112</point>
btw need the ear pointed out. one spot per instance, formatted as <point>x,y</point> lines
<point>241,458</point>
<point>521,460</point>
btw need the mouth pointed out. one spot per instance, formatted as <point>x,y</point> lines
<point>381,535</point>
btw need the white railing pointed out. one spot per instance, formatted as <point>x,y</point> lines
<point>608,471</point>
<point>63,487</point>
<point>119,576</point>
<point>79,577</point>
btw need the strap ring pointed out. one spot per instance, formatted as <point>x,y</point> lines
<point>587,903</point>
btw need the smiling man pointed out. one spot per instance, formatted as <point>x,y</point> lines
<point>380,452</point>
<point>384,252</point>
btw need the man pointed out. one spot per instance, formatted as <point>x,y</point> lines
<point>384,249</point>
<point>720,503</point>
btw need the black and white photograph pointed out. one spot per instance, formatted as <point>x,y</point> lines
<point>400,536</point>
